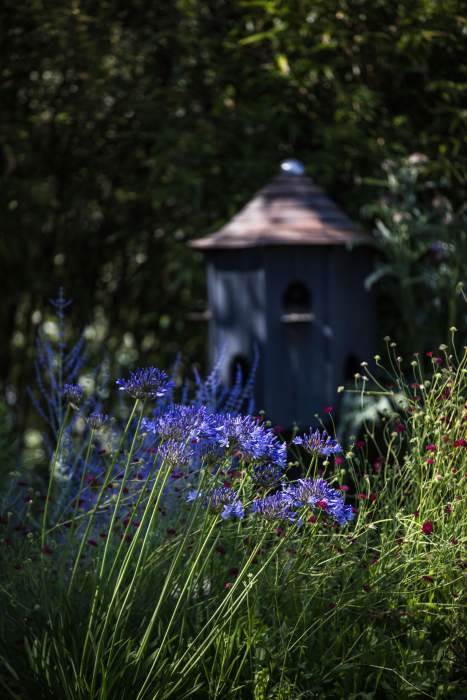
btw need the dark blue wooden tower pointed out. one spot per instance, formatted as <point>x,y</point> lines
<point>285,276</point>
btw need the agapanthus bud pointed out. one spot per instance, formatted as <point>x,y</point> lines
<point>73,393</point>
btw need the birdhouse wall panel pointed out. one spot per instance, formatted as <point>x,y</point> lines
<point>295,351</point>
<point>352,312</point>
<point>238,322</point>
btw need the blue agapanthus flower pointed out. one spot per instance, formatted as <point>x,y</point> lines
<point>222,499</point>
<point>317,493</point>
<point>267,475</point>
<point>186,423</point>
<point>73,393</point>
<point>245,437</point>
<point>318,443</point>
<point>97,420</point>
<point>147,383</point>
<point>277,506</point>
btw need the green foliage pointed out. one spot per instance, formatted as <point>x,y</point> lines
<point>422,239</point>
<point>129,128</point>
<point>196,607</point>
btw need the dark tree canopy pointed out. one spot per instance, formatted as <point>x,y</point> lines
<point>128,128</point>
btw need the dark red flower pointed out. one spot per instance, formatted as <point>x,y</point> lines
<point>416,513</point>
<point>460,443</point>
<point>373,497</point>
<point>46,549</point>
<point>92,543</point>
<point>362,496</point>
<point>431,447</point>
<point>429,354</point>
<point>360,444</point>
<point>448,509</point>
<point>220,549</point>
<point>312,519</point>
<point>366,588</point>
<point>171,531</point>
<point>427,527</point>
<point>233,572</point>
<point>343,488</point>
<point>400,428</point>
<point>430,460</point>
<point>322,503</point>
<point>428,578</point>
<point>328,409</point>
<point>338,460</point>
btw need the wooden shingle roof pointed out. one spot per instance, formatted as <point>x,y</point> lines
<point>290,210</point>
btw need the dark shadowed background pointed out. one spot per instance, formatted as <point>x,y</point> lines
<point>128,128</point>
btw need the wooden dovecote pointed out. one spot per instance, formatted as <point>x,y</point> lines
<point>286,275</point>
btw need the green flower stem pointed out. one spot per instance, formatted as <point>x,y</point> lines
<point>100,496</point>
<point>52,474</point>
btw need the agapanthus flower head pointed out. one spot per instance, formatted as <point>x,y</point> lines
<point>73,393</point>
<point>146,383</point>
<point>266,475</point>
<point>185,423</point>
<point>316,493</point>
<point>97,420</point>
<point>247,438</point>
<point>222,499</point>
<point>318,443</point>
<point>277,506</point>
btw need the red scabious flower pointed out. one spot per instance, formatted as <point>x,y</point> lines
<point>366,588</point>
<point>448,509</point>
<point>445,438</point>
<point>312,519</point>
<point>343,488</point>
<point>46,549</point>
<point>171,531</point>
<point>328,409</point>
<point>400,427</point>
<point>93,543</point>
<point>377,464</point>
<point>103,535</point>
<point>360,444</point>
<point>454,540</point>
<point>362,496</point>
<point>460,443</point>
<point>338,460</point>
<point>414,385</point>
<point>429,354</point>
<point>446,393</point>
<point>233,572</point>
<point>438,360</point>
<point>373,497</point>
<point>322,503</point>
<point>430,460</point>
<point>428,578</point>
<point>416,513</point>
<point>431,447</point>
<point>427,527</point>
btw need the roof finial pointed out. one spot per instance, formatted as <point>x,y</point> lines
<point>292,167</point>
